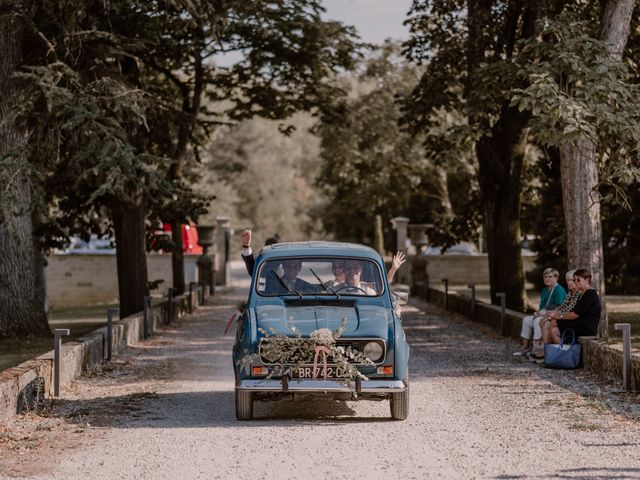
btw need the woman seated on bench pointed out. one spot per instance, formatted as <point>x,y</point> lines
<point>537,354</point>
<point>551,296</point>
<point>584,317</point>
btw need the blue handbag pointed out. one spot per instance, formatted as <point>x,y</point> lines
<point>564,355</point>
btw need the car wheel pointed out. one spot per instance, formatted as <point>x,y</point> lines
<point>244,404</point>
<point>399,403</point>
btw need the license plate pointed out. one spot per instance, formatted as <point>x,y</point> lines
<point>307,372</point>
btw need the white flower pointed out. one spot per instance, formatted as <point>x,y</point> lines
<point>322,336</point>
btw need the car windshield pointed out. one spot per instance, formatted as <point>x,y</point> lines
<point>319,276</point>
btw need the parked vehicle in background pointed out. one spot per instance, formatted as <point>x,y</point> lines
<point>295,302</point>
<point>462,248</point>
<point>94,246</point>
<point>162,241</point>
<point>189,238</point>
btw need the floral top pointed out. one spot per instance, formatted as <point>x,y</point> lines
<point>570,302</point>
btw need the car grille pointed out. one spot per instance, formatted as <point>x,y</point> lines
<point>356,344</point>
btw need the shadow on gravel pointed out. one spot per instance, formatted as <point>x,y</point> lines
<point>446,344</point>
<point>214,409</point>
<point>582,473</point>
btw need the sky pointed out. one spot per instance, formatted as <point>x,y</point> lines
<point>375,20</point>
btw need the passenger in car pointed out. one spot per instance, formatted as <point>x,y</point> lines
<point>337,268</point>
<point>352,283</point>
<point>396,262</point>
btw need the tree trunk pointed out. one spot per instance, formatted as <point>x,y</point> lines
<point>442,187</point>
<point>190,107</point>
<point>500,158</point>
<point>579,174</point>
<point>21,299</point>
<point>501,152</point>
<point>129,226</point>
<point>616,23</point>
<point>177,258</point>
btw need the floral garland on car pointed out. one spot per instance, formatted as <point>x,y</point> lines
<point>289,354</point>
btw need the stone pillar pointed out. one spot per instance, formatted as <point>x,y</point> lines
<point>400,224</point>
<point>418,236</point>
<point>222,250</point>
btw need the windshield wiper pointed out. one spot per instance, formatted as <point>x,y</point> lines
<point>326,287</point>
<point>290,289</point>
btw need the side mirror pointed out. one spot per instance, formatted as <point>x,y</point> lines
<point>401,297</point>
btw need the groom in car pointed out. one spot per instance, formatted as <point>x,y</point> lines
<point>289,282</point>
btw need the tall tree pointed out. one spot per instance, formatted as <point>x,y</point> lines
<point>278,73</point>
<point>584,102</point>
<point>579,171</point>
<point>21,293</point>
<point>99,98</point>
<point>92,157</point>
<point>468,49</point>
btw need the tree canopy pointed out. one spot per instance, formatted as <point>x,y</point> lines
<point>111,98</point>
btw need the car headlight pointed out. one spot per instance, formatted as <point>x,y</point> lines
<point>373,351</point>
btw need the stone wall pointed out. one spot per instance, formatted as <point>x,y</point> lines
<point>22,387</point>
<point>464,269</point>
<point>78,280</point>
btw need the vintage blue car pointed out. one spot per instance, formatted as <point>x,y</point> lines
<point>303,293</point>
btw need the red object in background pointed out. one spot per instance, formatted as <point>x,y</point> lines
<point>189,238</point>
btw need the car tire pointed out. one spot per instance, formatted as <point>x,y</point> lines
<point>399,403</point>
<point>244,404</point>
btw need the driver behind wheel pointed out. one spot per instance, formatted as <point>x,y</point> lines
<point>289,282</point>
<point>352,283</point>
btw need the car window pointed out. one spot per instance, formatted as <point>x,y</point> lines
<point>319,276</point>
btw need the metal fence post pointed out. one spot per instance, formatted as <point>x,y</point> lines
<point>170,307</point>
<point>145,317</point>
<point>427,292</point>
<point>503,313</point>
<point>446,293</point>
<point>191,297</point>
<point>626,353</point>
<point>58,333</point>
<point>110,313</point>
<point>473,301</point>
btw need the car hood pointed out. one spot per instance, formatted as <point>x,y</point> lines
<point>361,321</point>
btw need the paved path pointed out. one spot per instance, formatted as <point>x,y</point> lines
<point>166,410</point>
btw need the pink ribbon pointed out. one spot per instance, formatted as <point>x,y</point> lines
<point>324,350</point>
<point>235,316</point>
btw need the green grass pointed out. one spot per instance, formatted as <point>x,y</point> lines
<point>79,321</point>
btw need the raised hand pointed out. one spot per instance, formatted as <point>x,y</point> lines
<point>398,259</point>
<point>246,238</point>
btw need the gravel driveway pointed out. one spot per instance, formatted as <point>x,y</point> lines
<point>166,410</point>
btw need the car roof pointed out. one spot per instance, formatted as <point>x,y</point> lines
<point>318,248</point>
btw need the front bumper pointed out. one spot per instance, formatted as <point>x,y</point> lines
<point>319,386</point>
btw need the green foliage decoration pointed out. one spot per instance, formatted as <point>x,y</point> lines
<point>288,354</point>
